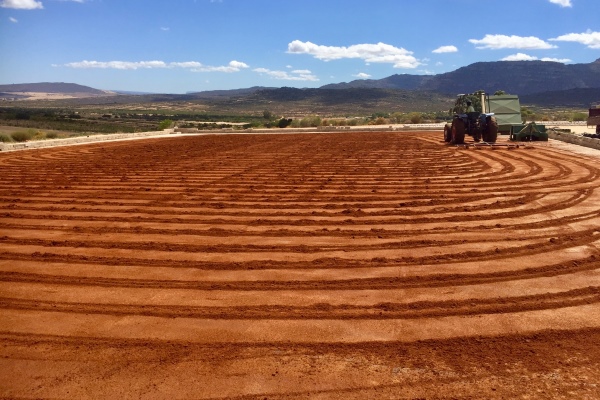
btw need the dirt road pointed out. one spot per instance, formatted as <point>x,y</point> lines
<point>339,265</point>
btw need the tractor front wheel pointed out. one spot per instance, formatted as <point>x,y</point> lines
<point>448,133</point>
<point>458,131</point>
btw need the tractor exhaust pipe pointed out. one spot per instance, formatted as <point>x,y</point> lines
<point>483,107</point>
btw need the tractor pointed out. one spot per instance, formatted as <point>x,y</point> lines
<point>468,120</point>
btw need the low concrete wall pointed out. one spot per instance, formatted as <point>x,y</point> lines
<point>575,139</point>
<point>39,144</point>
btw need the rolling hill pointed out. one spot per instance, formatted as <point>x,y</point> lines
<point>50,87</point>
<point>516,77</point>
<point>539,83</point>
<point>50,90</point>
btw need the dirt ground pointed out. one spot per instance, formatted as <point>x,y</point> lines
<point>339,265</point>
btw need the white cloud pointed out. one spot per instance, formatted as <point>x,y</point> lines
<point>446,49</point>
<point>362,75</point>
<point>117,64</point>
<point>233,66</point>
<point>165,29</point>
<point>519,57</point>
<point>297,75</point>
<point>526,57</point>
<point>187,64</point>
<point>21,4</point>
<point>562,3</point>
<point>194,66</point>
<point>238,64</point>
<point>370,53</point>
<point>559,60</point>
<point>589,38</point>
<point>13,20</point>
<point>495,42</point>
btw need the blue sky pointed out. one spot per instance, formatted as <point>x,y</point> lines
<point>176,46</point>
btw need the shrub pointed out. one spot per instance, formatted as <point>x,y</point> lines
<point>313,121</point>
<point>37,135</point>
<point>51,135</point>
<point>284,122</point>
<point>165,124</point>
<point>416,118</point>
<point>21,136</point>
<point>380,121</point>
<point>5,138</point>
<point>527,114</point>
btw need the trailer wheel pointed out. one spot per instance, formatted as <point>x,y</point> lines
<point>458,131</point>
<point>490,134</point>
<point>448,133</point>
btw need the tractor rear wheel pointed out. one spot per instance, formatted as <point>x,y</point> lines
<point>458,131</point>
<point>490,134</point>
<point>448,133</point>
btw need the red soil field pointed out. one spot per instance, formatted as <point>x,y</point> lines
<point>338,265</point>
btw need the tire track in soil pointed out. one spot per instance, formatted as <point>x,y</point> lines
<point>293,195</point>
<point>385,310</point>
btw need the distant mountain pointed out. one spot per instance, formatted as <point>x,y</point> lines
<point>404,81</point>
<point>211,94</point>
<point>50,87</point>
<point>575,98</point>
<point>515,77</point>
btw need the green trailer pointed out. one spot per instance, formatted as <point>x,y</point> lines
<point>530,132</point>
<point>506,109</point>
